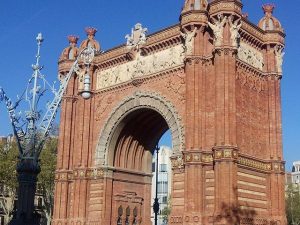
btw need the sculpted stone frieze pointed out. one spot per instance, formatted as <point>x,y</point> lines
<point>141,66</point>
<point>251,56</point>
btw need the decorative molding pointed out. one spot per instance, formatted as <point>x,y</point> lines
<point>176,220</point>
<point>225,51</point>
<point>88,173</point>
<point>140,100</point>
<point>267,166</point>
<point>192,157</point>
<point>177,162</point>
<point>70,98</point>
<point>225,153</point>
<point>255,164</point>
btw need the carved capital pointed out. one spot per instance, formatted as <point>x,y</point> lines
<point>87,173</point>
<point>278,167</point>
<point>225,153</point>
<point>198,157</point>
<point>204,60</point>
<point>221,51</point>
<point>177,162</point>
<point>70,98</point>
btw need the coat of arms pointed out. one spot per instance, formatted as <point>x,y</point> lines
<point>137,37</point>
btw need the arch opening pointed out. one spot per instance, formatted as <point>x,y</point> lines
<point>161,115</point>
<point>135,139</point>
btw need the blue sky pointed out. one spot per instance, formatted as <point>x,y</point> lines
<point>20,21</point>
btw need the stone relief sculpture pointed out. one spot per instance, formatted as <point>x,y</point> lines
<point>141,66</point>
<point>251,56</point>
<point>189,41</point>
<point>137,37</point>
<point>218,28</point>
<point>279,54</point>
<point>234,30</point>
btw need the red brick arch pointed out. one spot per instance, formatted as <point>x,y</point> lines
<point>138,101</point>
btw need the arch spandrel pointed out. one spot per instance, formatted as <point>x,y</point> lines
<point>139,100</point>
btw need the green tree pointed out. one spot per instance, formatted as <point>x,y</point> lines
<point>293,204</point>
<point>167,211</point>
<point>47,176</point>
<point>8,176</point>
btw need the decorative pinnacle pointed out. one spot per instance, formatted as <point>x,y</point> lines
<point>268,8</point>
<point>73,39</point>
<point>39,38</point>
<point>90,31</point>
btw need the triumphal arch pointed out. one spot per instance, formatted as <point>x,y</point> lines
<point>213,80</point>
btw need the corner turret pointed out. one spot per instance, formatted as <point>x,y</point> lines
<point>269,22</point>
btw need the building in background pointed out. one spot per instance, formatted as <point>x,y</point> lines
<point>164,181</point>
<point>293,178</point>
<point>295,174</point>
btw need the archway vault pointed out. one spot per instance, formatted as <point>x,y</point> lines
<point>137,102</point>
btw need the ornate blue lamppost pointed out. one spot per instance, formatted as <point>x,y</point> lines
<point>32,130</point>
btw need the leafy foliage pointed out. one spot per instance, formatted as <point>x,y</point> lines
<point>167,210</point>
<point>8,175</point>
<point>293,204</point>
<point>47,175</point>
<point>8,162</point>
<point>8,178</point>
